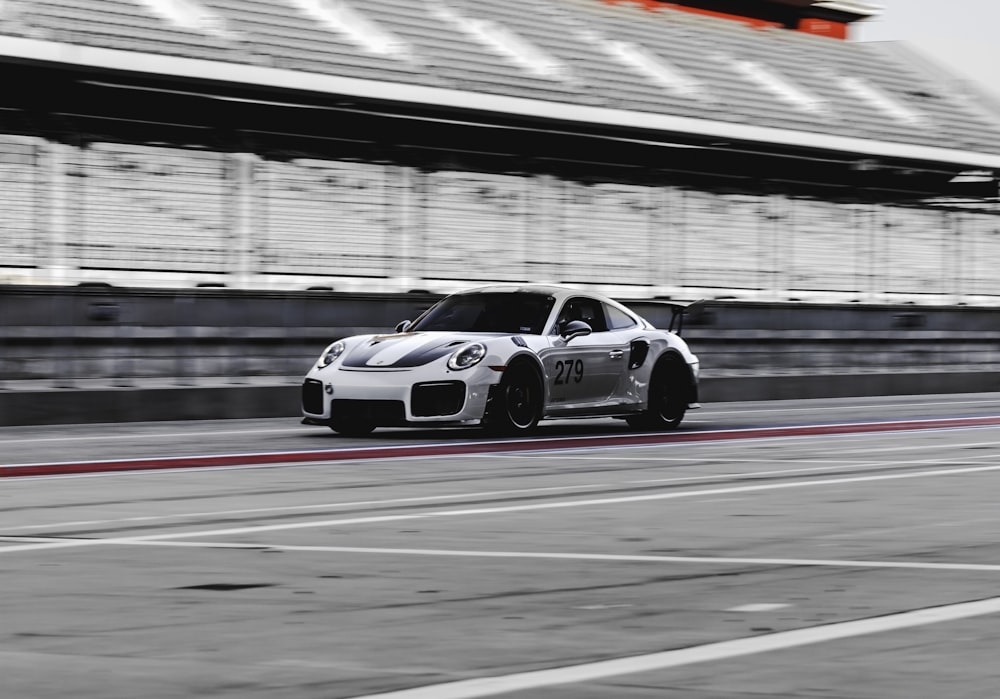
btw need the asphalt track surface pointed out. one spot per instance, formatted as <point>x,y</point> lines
<point>843,548</point>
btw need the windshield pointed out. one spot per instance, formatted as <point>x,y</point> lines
<point>518,312</point>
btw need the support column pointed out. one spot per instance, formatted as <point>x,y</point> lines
<point>403,179</point>
<point>243,171</point>
<point>53,201</point>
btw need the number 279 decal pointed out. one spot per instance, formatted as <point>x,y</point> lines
<point>569,370</point>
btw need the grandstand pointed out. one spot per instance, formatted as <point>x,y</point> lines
<point>639,148</point>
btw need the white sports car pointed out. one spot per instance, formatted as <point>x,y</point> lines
<point>506,357</point>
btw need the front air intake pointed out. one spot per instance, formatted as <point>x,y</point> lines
<point>437,398</point>
<point>312,397</point>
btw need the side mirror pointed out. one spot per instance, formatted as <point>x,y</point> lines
<point>575,328</point>
<point>402,326</point>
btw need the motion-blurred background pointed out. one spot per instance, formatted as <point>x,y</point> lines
<point>205,192</point>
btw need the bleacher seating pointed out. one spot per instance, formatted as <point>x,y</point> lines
<point>607,231</point>
<point>913,248</point>
<point>717,241</point>
<point>977,263</point>
<point>194,213</point>
<point>827,246</point>
<point>474,226</point>
<point>118,24</point>
<point>147,208</point>
<point>325,218</point>
<point>20,204</point>
<point>163,211</point>
<point>278,33</point>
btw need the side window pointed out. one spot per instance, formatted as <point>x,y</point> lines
<point>590,311</point>
<point>617,319</point>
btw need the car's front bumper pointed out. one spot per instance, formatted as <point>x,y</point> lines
<point>389,398</point>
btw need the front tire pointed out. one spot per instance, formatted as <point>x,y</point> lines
<point>516,405</point>
<point>667,398</point>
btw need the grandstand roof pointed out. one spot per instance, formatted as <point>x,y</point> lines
<point>578,61</point>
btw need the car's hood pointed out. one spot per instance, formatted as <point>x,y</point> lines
<point>404,350</point>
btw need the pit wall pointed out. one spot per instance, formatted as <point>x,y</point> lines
<point>100,354</point>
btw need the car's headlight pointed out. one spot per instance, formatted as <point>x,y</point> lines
<point>331,353</point>
<point>470,355</point>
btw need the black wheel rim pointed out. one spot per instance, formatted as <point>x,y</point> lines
<point>520,403</point>
<point>669,408</point>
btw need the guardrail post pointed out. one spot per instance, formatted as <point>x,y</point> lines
<point>3,346</point>
<point>183,318</point>
<point>126,348</point>
<point>64,362</point>
<point>293,318</point>
<point>234,338</point>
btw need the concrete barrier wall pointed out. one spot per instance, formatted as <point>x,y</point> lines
<point>64,335</point>
<point>215,402</point>
<point>107,354</point>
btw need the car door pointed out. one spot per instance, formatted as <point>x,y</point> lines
<point>584,370</point>
<point>628,336</point>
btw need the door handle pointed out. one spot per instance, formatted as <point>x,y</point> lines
<point>616,354</point>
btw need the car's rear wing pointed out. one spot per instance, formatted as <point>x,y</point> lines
<point>678,309</point>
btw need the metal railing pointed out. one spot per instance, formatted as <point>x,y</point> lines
<point>134,215</point>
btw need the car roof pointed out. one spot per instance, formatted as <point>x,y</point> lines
<point>559,292</point>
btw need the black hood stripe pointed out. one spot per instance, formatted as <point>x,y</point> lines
<point>423,354</point>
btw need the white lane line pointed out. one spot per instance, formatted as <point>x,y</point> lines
<point>148,436</point>
<point>917,447</point>
<point>679,459</point>
<point>555,452</point>
<point>724,650</point>
<point>564,556</point>
<point>598,442</point>
<point>860,467</point>
<point>732,475</point>
<point>307,508</point>
<point>53,544</point>
<point>814,409</point>
<point>527,507</point>
<point>724,446</point>
<point>729,446</point>
<point>390,501</point>
<point>864,533</point>
<point>32,539</point>
<point>757,607</point>
<point>432,498</point>
<point>711,412</point>
<point>305,430</point>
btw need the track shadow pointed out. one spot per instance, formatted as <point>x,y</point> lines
<point>405,435</point>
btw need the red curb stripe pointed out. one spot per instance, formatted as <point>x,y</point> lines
<point>485,447</point>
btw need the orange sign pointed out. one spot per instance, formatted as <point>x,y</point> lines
<point>823,27</point>
<point>653,5</point>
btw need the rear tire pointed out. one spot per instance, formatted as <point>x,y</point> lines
<point>516,405</point>
<point>667,398</point>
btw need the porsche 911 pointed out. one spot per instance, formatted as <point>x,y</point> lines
<point>506,357</point>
